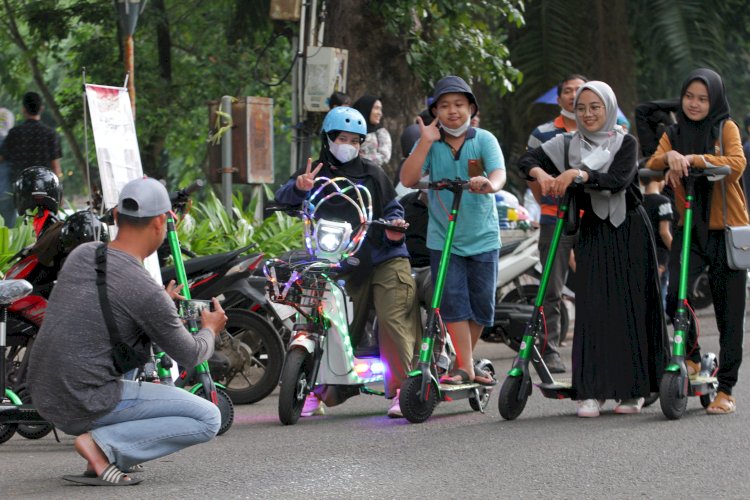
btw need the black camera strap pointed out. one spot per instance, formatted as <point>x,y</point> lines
<point>101,286</point>
<point>125,356</point>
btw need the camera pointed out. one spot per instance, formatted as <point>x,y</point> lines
<point>191,309</point>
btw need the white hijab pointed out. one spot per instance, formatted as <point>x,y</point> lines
<point>595,151</point>
<point>6,122</point>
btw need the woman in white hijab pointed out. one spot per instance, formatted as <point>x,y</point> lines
<point>619,346</point>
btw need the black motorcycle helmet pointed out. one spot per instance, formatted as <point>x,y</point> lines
<point>37,187</point>
<point>81,227</point>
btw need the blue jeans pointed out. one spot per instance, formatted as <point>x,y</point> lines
<point>469,287</point>
<point>152,421</point>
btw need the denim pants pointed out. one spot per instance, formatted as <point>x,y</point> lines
<point>152,421</point>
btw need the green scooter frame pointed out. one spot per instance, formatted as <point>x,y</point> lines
<point>516,387</point>
<point>204,387</point>
<point>422,391</point>
<point>676,386</point>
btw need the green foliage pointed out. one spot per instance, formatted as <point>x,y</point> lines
<point>462,38</point>
<point>12,241</point>
<point>209,230</point>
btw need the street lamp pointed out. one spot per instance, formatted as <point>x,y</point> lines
<point>128,12</point>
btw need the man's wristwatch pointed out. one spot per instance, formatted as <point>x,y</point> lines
<point>578,178</point>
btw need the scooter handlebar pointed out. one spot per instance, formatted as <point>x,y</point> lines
<point>443,184</point>
<point>710,171</point>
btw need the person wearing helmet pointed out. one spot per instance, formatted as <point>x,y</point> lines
<point>450,147</point>
<point>383,277</point>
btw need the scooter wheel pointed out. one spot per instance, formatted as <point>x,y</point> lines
<point>226,408</point>
<point>294,381</point>
<point>414,409</point>
<point>511,402</point>
<point>651,399</point>
<point>31,431</point>
<point>672,405</point>
<point>707,399</point>
<point>7,431</point>
<point>480,402</point>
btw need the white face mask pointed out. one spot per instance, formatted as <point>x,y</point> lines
<point>568,114</point>
<point>456,132</point>
<point>343,152</point>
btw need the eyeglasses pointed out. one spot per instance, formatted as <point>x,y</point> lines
<point>594,109</point>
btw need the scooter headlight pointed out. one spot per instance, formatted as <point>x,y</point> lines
<point>331,238</point>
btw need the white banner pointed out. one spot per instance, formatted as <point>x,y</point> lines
<point>116,147</point>
<point>116,143</point>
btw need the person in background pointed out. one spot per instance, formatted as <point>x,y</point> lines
<point>619,346</point>
<point>32,143</point>
<point>448,148</point>
<point>339,99</point>
<point>378,145</point>
<point>7,208</point>
<point>702,120</point>
<point>565,122</point>
<point>659,209</point>
<point>475,120</point>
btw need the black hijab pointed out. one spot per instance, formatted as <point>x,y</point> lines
<point>364,105</point>
<point>699,137</point>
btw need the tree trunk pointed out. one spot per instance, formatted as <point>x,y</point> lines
<point>49,99</point>
<point>377,66</point>
<point>152,155</point>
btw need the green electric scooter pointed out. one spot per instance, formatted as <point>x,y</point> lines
<point>516,387</point>
<point>676,386</point>
<point>199,376</point>
<point>422,391</point>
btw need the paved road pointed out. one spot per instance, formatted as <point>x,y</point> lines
<point>357,452</point>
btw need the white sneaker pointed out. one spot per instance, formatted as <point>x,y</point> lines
<point>588,408</point>
<point>628,406</point>
<point>395,410</point>
<point>313,406</point>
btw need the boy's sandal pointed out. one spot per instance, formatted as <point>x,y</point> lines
<point>450,379</point>
<point>483,377</point>
<point>111,476</point>
<point>129,470</point>
<point>722,405</point>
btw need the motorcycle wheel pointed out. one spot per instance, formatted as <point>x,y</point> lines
<point>526,294</point>
<point>226,408</point>
<point>31,431</point>
<point>294,381</point>
<point>509,403</point>
<point>672,405</point>
<point>414,409</point>
<point>263,354</point>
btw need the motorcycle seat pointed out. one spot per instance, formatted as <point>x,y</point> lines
<point>12,290</point>
<point>199,265</point>
<point>509,247</point>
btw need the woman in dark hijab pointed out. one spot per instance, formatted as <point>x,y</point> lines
<point>378,145</point>
<point>704,133</point>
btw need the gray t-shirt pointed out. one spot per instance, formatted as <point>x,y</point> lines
<point>72,377</point>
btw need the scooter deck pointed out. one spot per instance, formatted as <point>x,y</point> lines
<point>701,385</point>
<point>24,414</point>
<point>451,392</point>
<point>559,389</point>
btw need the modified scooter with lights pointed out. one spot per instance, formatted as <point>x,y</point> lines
<point>320,357</point>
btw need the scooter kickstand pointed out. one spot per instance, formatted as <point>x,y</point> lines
<point>476,395</point>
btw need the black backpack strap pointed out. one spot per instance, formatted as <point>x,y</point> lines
<point>566,149</point>
<point>101,286</point>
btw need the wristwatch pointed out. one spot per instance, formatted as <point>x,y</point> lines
<point>578,178</point>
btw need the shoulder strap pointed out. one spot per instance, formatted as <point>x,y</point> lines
<point>101,285</point>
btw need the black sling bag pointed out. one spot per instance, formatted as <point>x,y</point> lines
<point>125,356</point>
